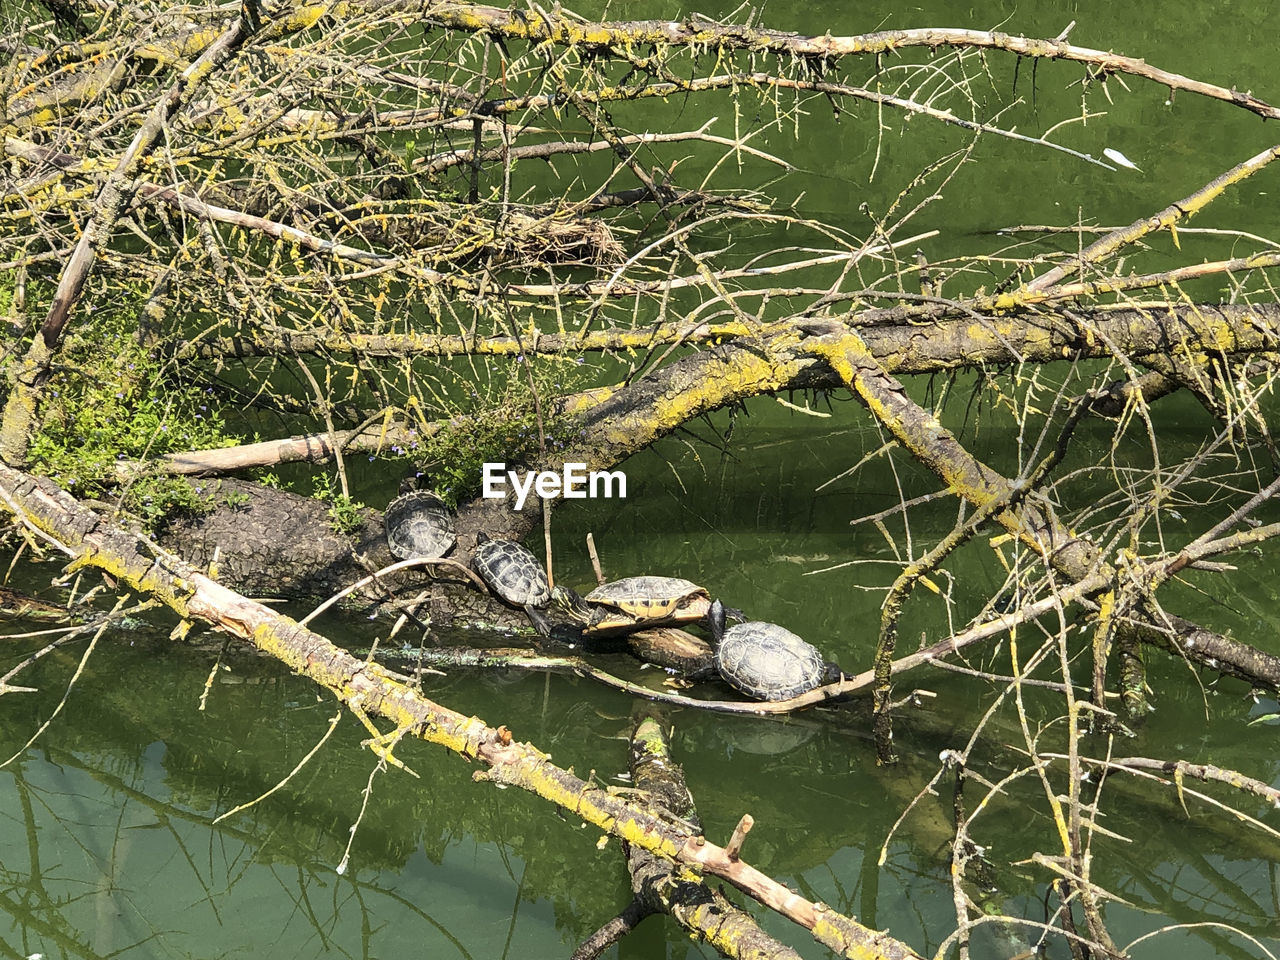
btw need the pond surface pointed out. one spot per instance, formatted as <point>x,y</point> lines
<point>107,846</point>
<point>107,841</point>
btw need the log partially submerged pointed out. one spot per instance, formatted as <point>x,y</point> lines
<point>267,542</point>
<point>658,886</point>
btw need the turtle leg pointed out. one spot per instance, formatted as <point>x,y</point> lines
<point>541,622</point>
<point>570,633</point>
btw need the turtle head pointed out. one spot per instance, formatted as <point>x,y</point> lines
<point>571,604</point>
<point>412,482</point>
<point>832,673</point>
<point>715,621</point>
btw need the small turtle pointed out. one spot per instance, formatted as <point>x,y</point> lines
<point>766,661</point>
<point>419,524</point>
<point>637,603</point>
<point>512,572</point>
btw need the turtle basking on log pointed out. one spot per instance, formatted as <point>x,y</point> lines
<point>419,524</point>
<point>639,603</point>
<point>765,661</point>
<point>646,609</point>
<point>516,578</point>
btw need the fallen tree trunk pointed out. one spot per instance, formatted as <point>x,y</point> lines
<point>773,359</point>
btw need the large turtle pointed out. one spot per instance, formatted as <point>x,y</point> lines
<point>637,603</point>
<point>766,661</point>
<point>419,524</point>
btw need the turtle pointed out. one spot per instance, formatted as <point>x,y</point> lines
<point>512,572</point>
<point>419,524</point>
<point>766,661</point>
<point>637,603</point>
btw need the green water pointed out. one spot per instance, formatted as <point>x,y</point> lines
<point>107,848</point>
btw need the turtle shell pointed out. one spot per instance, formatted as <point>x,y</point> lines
<point>419,524</point>
<point>768,662</point>
<point>647,601</point>
<point>512,572</point>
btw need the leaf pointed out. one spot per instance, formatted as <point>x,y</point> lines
<point>1118,158</point>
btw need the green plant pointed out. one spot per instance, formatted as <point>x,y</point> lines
<point>235,499</point>
<point>502,425</point>
<point>113,401</point>
<point>344,513</point>
<point>154,499</point>
<point>6,291</point>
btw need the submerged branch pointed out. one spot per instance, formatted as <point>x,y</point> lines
<point>705,913</point>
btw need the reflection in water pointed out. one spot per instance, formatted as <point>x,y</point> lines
<point>107,846</point>
<point>109,869</point>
